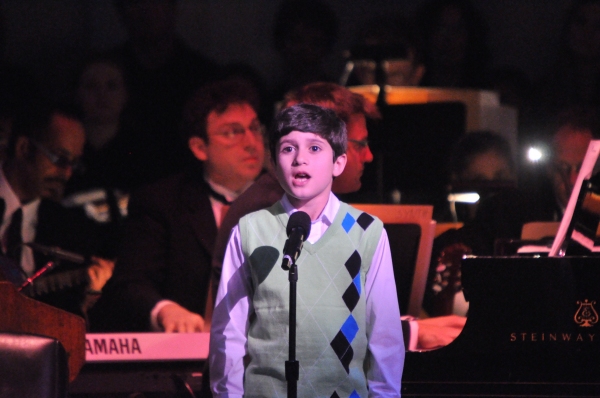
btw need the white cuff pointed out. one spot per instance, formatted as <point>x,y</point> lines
<point>413,340</point>
<point>154,315</point>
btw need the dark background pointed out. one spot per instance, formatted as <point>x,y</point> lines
<point>50,36</point>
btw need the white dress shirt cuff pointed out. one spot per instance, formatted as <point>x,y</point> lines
<point>154,315</point>
<point>413,340</point>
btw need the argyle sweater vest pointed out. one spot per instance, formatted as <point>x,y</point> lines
<point>331,340</point>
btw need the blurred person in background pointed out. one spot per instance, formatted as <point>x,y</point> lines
<point>575,77</point>
<point>43,152</point>
<point>454,39</point>
<point>304,35</point>
<point>163,271</point>
<point>162,72</point>
<point>481,162</point>
<point>391,42</point>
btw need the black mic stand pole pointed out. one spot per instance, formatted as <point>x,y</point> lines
<point>292,367</point>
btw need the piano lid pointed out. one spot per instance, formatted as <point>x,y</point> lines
<point>532,328</point>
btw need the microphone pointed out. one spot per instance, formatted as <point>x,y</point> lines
<point>58,253</point>
<point>298,229</point>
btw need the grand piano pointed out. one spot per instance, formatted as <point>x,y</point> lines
<point>532,331</point>
<point>532,325</point>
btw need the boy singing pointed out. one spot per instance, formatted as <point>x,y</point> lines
<point>349,336</point>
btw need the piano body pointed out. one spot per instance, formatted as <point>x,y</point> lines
<point>532,330</point>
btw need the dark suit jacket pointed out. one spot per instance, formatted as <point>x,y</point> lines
<point>70,230</point>
<point>166,252</point>
<point>265,192</point>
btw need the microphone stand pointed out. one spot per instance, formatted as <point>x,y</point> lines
<point>292,367</point>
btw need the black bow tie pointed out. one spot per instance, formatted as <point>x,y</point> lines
<point>217,196</point>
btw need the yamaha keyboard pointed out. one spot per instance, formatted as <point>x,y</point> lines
<point>125,363</point>
<point>532,331</point>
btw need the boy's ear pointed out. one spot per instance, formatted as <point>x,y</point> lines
<point>339,164</point>
<point>198,148</point>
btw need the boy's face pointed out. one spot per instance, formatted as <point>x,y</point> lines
<point>305,169</point>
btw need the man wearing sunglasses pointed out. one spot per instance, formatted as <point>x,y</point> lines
<point>162,276</point>
<point>42,154</point>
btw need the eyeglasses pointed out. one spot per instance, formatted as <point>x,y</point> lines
<point>61,161</point>
<point>362,144</point>
<point>235,132</point>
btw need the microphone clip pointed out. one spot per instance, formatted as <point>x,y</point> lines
<point>288,259</point>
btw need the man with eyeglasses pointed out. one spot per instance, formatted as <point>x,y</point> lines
<point>42,154</point>
<point>162,276</point>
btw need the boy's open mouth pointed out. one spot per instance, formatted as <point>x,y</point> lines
<point>301,177</point>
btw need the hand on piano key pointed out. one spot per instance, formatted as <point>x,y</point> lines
<point>439,331</point>
<point>173,318</point>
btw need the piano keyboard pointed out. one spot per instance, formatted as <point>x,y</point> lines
<point>118,347</point>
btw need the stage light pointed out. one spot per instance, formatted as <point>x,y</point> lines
<point>467,197</point>
<point>534,155</point>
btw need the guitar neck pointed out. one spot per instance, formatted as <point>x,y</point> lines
<point>58,281</point>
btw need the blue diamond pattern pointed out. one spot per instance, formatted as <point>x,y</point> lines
<point>357,283</point>
<point>350,328</point>
<point>354,394</point>
<point>348,222</point>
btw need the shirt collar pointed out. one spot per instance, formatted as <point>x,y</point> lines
<point>229,194</point>
<point>12,203</point>
<point>11,200</point>
<point>326,216</point>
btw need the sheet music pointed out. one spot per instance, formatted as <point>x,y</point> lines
<point>587,168</point>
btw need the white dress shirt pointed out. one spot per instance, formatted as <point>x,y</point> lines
<point>28,227</point>
<point>234,306</point>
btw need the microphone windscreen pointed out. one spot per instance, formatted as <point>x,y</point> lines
<point>299,219</point>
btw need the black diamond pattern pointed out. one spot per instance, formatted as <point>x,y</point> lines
<point>353,264</point>
<point>335,395</point>
<point>343,350</point>
<point>347,358</point>
<point>364,220</point>
<point>340,344</point>
<point>351,296</point>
